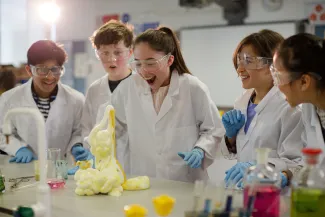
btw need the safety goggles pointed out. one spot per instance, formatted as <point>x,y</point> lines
<point>251,62</point>
<point>282,79</point>
<point>106,56</point>
<point>151,65</point>
<point>43,71</point>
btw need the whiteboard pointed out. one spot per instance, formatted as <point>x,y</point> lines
<point>208,54</point>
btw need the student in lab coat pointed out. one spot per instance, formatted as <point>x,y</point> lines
<point>261,116</point>
<point>299,72</point>
<point>113,47</point>
<point>172,124</point>
<point>60,105</point>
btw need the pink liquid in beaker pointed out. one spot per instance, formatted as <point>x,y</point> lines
<point>56,183</point>
<point>267,200</point>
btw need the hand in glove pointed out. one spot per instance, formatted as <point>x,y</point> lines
<point>193,158</point>
<point>233,121</point>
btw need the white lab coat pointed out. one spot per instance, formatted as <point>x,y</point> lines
<point>97,94</point>
<point>276,126</point>
<point>63,128</point>
<point>312,135</point>
<point>188,118</point>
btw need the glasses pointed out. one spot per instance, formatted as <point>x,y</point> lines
<point>106,56</point>
<point>147,65</point>
<point>250,62</point>
<point>279,78</point>
<point>43,71</point>
<point>282,79</point>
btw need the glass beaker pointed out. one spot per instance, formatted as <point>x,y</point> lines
<point>53,155</point>
<point>62,169</point>
<point>54,178</point>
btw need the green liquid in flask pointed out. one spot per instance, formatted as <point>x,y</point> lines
<point>307,202</point>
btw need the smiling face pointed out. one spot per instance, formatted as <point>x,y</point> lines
<point>44,85</point>
<point>152,65</point>
<point>253,71</point>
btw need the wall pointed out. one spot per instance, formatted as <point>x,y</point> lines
<point>20,27</point>
<point>80,24</point>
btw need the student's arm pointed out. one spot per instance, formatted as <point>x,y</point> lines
<point>76,137</point>
<point>211,130</point>
<point>15,142</point>
<point>86,122</point>
<point>290,142</point>
<point>231,144</point>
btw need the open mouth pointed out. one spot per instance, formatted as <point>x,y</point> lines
<point>150,80</point>
<point>112,67</point>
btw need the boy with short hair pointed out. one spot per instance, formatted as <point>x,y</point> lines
<point>113,47</point>
<point>60,105</point>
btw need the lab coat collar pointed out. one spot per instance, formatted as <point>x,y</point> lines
<point>104,86</point>
<point>174,84</point>
<point>145,94</point>
<point>315,122</point>
<point>242,102</point>
<point>29,101</point>
<point>314,118</point>
<point>173,90</point>
<point>266,99</point>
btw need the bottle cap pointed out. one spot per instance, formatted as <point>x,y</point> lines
<point>311,151</point>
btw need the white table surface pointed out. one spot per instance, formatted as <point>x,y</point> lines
<point>65,203</point>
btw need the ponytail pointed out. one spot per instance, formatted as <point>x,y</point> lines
<point>165,40</point>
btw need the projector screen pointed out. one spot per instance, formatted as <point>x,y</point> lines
<point>208,54</point>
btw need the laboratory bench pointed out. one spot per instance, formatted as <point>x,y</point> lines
<point>65,203</point>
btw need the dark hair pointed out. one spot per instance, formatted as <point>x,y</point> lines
<point>44,50</point>
<point>264,44</point>
<point>7,79</point>
<point>112,32</point>
<point>304,53</point>
<point>165,40</point>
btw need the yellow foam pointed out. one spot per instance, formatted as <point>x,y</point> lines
<point>137,183</point>
<point>108,175</point>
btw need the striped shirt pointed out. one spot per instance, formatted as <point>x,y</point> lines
<point>44,104</point>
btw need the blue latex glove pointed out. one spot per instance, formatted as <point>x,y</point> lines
<point>23,155</point>
<point>80,153</point>
<point>73,170</point>
<point>233,121</point>
<point>284,180</point>
<point>193,158</point>
<point>236,173</point>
